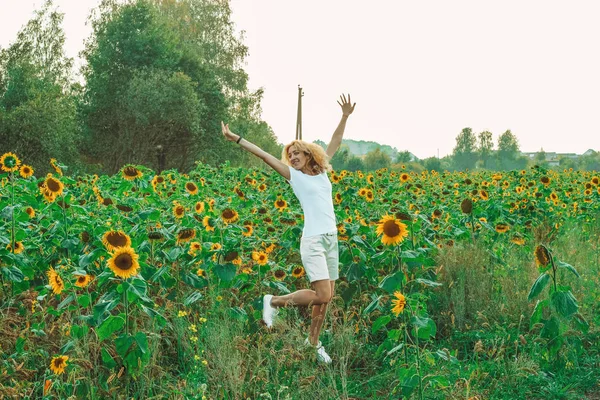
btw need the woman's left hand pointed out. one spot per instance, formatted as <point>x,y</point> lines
<point>347,106</point>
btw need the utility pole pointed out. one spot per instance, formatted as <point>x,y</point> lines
<point>299,116</point>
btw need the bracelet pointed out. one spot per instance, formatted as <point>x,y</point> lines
<point>238,141</point>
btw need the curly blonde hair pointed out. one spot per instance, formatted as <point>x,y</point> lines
<point>317,158</point>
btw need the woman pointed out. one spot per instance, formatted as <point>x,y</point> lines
<point>305,166</point>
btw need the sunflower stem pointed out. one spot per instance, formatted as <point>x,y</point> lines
<point>126,310</point>
<point>12,212</point>
<point>64,212</point>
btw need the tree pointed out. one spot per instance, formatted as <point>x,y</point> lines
<point>37,103</point>
<point>404,157</point>
<point>485,148</point>
<point>355,163</point>
<point>376,159</point>
<point>508,151</point>
<point>465,152</point>
<point>340,158</point>
<point>432,164</point>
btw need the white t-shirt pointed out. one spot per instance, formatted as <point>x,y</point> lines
<point>314,194</point>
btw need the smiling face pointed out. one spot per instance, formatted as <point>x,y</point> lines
<point>298,159</point>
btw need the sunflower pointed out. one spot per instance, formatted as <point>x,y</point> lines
<point>18,248</point>
<point>542,256</point>
<point>518,240</point>
<point>178,210</point>
<point>155,235</point>
<point>208,223</point>
<point>262,187</point>
<point>337,199</point>
<point>247,230</point>
<point>392,229</point>
<point>279,274</point>
<point>30,211</point>
<point>484,195</point>
<point>260,257</point>
<point>26,171</point>
<point>199,207</point>
<point>545,180</point>
<point>229,215</point>
<point>298,272</point>
<point>369,196</point>
<point>280,204</point>
<point>131,173</point>
<point>52,186</point>
<point>9,162</point>
<point>124,262</point>
<point>185,235</point>
<point>200,272</point>
<point>502,228</point>
<point>83,280</point>
<point>216,246</point>
<point>58,364</point>
<point>114,240</point>
<point>404,177</point>
<point>399,302</point>
<point>56,282</point>
<point>370,179</point>
<point>55,166</point>
<point>466,206</point>
<point>84,236</point>
<point>191,188</point>
<point>362,191</point>
<point>124,208</point>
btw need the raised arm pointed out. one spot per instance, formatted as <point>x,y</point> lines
<point>336,139</point>
<point>273,162</point>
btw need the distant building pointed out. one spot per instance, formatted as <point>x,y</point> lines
<point>553,158</point>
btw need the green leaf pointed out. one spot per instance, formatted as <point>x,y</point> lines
<point>581,323</point>
<point>564,303</point>
<point>78,331</point>
<point>84,300</point>
<point>538,286</point>
<point>13,273</point>
<point>107,359</point>
<point>538,311</point>
<point>380,323</point>
<point>550,329</point>
<point>395,349</point>
<point>238,313</point>
<point>89,258</point>
<point>392,283</point>
<point>568,267</point>
<point>278,286</point>
<point>142,341</point>
<point>109,326</point>
<point>192,298</point>
<point>427,282</point>
<point>225,272</point>
<point>424,327</point>
<point>355,271</point>
<point>65,302</point>
<point>372,306</point>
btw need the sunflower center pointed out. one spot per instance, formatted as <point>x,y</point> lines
<point>130,171</point>
<point>116,239</point>
<point>391,228</point>
<point>53,185</point>
<point>190,186</point>
<point>280,203</point>
<point>58,362</point>
<point>228,214</point>
<point>124,262</point>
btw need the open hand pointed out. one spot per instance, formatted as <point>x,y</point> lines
<point>347,106</point>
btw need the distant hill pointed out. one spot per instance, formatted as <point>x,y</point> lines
<point>361,147</point>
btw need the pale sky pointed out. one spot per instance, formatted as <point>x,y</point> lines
<point>419,71</point>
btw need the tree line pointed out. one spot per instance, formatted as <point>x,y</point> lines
<point>158,78</point>
<point>472,151</point>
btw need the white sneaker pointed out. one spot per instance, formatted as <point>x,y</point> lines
<point>269,312</point>
<point>321,353</point>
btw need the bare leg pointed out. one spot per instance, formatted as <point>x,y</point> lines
<point>318,317</point>
<point>305,297</point>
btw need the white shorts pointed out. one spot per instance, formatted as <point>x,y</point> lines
<point>320,256</point>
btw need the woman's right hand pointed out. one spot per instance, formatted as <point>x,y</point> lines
<point>232,137</point>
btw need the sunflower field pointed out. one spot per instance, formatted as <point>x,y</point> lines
<point>478,285</point>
